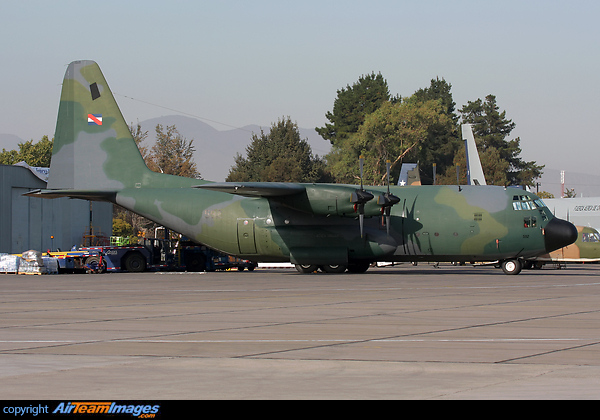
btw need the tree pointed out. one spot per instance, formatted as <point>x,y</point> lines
<point>34,154</point>
<point>139,136</point>
<point>281,155</point>
<point>352,104</point>
<point>443,140</point>
<point>495,169</point>
<point>491,128</point>
<point>544,194</point>
<point>172,153</point>
<point>389,133</point>
<point>120,227</point>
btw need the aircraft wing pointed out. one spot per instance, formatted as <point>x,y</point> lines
<point>255,189</point>
<point>319,199</point>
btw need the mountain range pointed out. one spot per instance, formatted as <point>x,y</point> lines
<point>216,150</point>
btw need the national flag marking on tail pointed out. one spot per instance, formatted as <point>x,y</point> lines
<point>94,119</point>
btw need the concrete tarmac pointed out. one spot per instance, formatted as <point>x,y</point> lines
<point>392,333</point>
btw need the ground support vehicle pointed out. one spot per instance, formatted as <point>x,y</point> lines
<point>90,261</point>
<point>154,254</point>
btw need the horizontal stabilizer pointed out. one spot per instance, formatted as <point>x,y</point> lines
<point>254,189</point>
<point>94,195</point>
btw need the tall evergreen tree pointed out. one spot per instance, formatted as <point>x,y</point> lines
<point>443,140</point>
<point>280,155</point>
<point>491,129</point>
<point>352,104</point>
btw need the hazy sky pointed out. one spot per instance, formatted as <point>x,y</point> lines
<point>234,63</point>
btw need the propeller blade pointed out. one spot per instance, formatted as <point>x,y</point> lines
<point>387,200</point>
<point>388,219</point>
<point>361,218</point>
<point>359,197</point>
<point>387,170</point>
<point>361,161</point>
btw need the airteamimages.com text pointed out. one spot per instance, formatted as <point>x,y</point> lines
<point>147,411</point>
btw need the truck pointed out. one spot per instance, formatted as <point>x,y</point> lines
<point>154,254</point>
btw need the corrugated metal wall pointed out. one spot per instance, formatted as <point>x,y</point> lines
<point>30,222</point>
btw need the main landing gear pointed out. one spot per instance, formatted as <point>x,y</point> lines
<point>357,267</point>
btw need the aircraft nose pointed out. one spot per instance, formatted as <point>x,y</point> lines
<point>559,233</point>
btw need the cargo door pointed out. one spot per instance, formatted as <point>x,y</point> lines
<point>245,232</point>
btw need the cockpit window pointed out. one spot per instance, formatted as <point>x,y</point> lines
<point>590,237</point>
<point>525,202</point>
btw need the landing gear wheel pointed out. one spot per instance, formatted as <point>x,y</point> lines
<point>306,268</point>
<point>334,269</point>
<point>511,267</point>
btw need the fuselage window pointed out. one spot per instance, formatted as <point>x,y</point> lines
<point>529,222</point>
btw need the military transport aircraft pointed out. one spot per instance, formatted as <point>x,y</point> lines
<point>333,227</point>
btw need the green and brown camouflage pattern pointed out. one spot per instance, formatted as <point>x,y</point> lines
<point>275,222</point>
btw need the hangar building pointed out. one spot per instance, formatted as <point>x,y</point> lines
<point>40,224</point>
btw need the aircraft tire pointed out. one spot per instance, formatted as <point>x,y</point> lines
<point>334,269</point>
<point>306,268</point>
<point>512,267</point>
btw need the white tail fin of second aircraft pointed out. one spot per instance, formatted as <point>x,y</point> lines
<point>474,170</point>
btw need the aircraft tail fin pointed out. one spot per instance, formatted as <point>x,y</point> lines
<point>475,174</point>
<point>93,146</point>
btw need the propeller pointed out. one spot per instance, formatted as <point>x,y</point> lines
<point>387,200</point>
<point>360,197</point>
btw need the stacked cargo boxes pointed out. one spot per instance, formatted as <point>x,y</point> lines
<point>29,262</point>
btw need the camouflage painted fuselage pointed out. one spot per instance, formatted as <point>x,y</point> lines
<point>429,224</point>
<point>96,158</point>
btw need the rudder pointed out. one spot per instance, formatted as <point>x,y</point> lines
<point>93,147</point>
